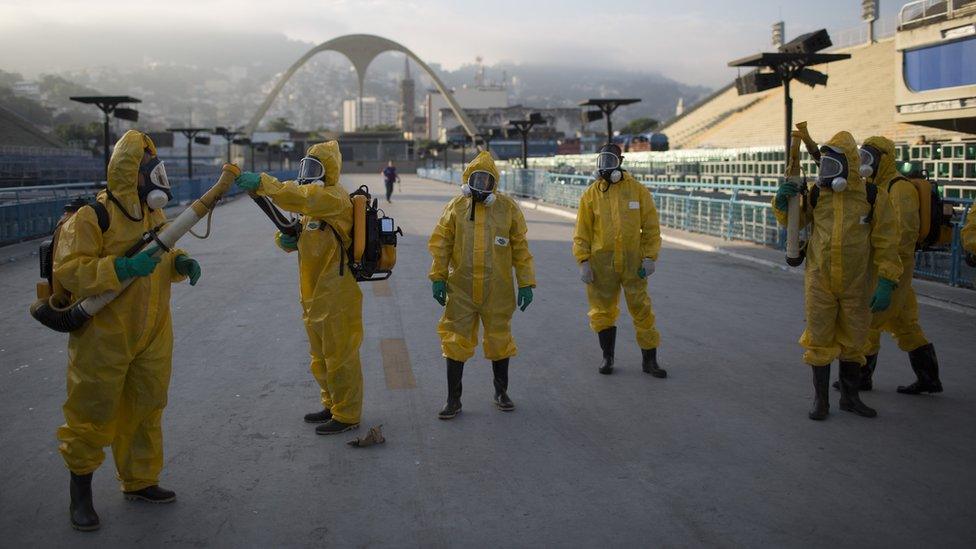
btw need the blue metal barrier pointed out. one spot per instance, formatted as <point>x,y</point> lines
<point>743,213</point>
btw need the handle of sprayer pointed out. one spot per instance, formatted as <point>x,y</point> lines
<point>808,142</point>
<point>276,216</point>
<point>794,255</point>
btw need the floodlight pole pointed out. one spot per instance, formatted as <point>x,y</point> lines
<point>190,134</point>
<point>107,105</point>
<point>524,127</point>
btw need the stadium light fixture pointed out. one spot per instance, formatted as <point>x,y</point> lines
<point>606,108</point>
<point>524,127</point>
<point>109,104</point>
<point>229,135</point>
<point>191,137</point>
<point>791,62</point>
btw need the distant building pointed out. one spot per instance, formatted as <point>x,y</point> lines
<point>375,112</point>
<point>478,97</point>
<point>408,100</point>
<point>28,89</point>
<point>560,122</point>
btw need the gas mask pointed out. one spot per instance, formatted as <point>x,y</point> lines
<point>155,191</point>
<point>608,164</point>
<point>870,159</point>
<point>833,169</point>
<point>310,170</point>
<point>480,187</point>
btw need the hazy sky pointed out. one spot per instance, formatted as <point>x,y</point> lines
<point>689,40</point>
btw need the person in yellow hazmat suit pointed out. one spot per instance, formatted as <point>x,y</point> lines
<point>877,163</point>
<point>616,243</point>
<point>850,239</point>
<point>477,243</point>
<point>332,304</point>
<point>968,235</point>
<point>119,362</point>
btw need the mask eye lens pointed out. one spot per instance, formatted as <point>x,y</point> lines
<point>830,167</point>
<point>310,169</point>
<point>158,176</point>
<point>481,181</point>
<point>607,161</point>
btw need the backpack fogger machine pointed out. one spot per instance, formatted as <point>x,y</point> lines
<point>54,307</point>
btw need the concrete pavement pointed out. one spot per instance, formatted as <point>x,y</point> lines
<point>719,454</point>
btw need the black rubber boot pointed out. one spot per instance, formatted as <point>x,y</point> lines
<point>455,370</point>
<point>867,374</point>
<point>649,363</point>
<point>318,417</point>
<point>850,381</point>
<point>334,427</point>
<point>500,369</point>
<point>83,515</point>
<point>821,397</point>
<point>151,494</point>
<point>608,339</point>
<point>926,367</point>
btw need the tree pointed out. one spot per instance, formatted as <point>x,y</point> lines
<point>280,124</point>
<point>640,125</point>
<point>8,79</point>
<point>85,136</point>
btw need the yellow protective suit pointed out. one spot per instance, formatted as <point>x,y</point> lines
<point>476,259</point>
<point>969,232</point>
<point>332,304</point>
<point>842,253</point>
<point>616,228</point>
<point>901,318</point>
<point>119,363</point>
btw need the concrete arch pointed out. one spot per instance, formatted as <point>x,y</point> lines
<point>361,50</point>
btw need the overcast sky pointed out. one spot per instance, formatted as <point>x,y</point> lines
<point>689,40</point>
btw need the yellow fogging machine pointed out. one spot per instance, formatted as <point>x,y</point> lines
<point>53,307</point>
<point>795,252</point>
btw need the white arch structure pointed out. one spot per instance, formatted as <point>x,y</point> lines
<point>361,50</point>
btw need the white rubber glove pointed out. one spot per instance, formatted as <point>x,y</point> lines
<point>647,267</point>
<point>586,273</point>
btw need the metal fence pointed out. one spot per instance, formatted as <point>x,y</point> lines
<point>30,212</point>
<point>732,212</point>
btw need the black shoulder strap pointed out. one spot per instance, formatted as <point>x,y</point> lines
<point>872,195</point>
<point>345,253</point>
<point>101,212</point>
<point>814,194</point>
<point>896,180</point>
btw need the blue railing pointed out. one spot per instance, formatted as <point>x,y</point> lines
<point>732,212</point>
<point>30,212</point>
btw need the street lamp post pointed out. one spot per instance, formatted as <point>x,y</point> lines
<point>250,145</point>
<point>606,108</point>
<point>524,127</point>
<point>109,104</point>
<point>229,135</point>
<point>191,135</point>
<point>791,62</point>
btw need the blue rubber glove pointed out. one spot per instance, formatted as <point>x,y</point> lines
<point>439,288</point>
<point>646,268</point>
<point>249,181</point>
<point>524,297</point>
<point>882,295</point>
<point>187,266</point>
<point>141,264</point>
<point>786,191</point>
<point>286,242</point>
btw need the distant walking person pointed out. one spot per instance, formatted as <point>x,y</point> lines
<point>390,177</point>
